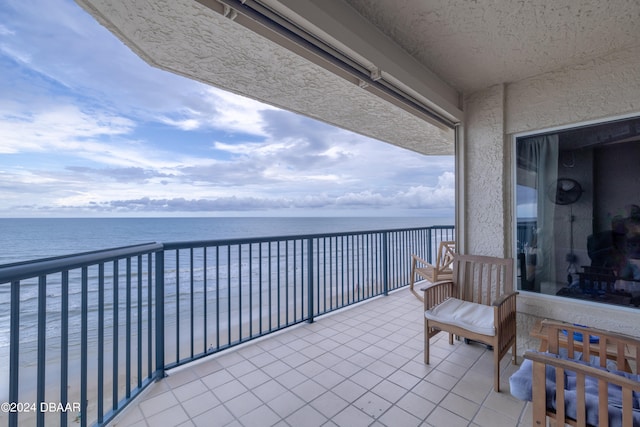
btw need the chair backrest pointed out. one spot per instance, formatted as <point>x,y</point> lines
<point>482,279</point>
<point>444,257</point>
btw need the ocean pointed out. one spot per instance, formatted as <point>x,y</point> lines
<point>23,239</point>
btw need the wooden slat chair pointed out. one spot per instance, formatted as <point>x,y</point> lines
<point>478,303</point>
<point>596,354</point>
<point>440,271</point>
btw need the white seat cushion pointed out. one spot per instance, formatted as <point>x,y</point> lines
<point>473,317</point>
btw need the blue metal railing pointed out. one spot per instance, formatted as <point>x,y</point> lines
<point>88,332</point>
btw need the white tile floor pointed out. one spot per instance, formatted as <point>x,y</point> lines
<point>362,366</point>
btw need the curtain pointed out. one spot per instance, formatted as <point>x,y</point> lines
<point>540,155</point>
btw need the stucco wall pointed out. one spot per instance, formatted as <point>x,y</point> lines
<point>484,176</point>
<point>599,89</point>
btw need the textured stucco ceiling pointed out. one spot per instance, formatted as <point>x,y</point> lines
<point>184,37</point>
<point>468,44</point>
<point>475,44</point>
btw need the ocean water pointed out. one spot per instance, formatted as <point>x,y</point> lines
<point>23,239</point>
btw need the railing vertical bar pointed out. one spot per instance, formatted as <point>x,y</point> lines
<point>14,352</point>
<point>362,243</point>
<point>370,278</point>
<point>228,294</point>
<point>150,369</point>
<point>278,281</point>
<point>301,276</point>
<point>376,253</point>
<point>385,263</point>
<point>331,273</point>
<point>286,280</point>
<point>84,339</point>
<point>324,273</point>
<point>342,272</point>
<point>360,265</point>
<point>310,279</point>
<point>354,270</point>
<point>295,281</point>
<point>317,293</point>
<point>177,305</point>
<point>217,297</point>
<point>204,298</point>
<point>339,271</point>
<point>191,289</point>
<point>64,345</point>
<point>139,300</point>
<point>365,266</point>
<point>100,341</point>
<point>398,251</point>
<point>250,290</point>
<point>429,250</point>
<point>398,257</point>
<point>260,287</point>
<point>380,261</point>
<point>159,371</point>
<point>42,334</point>
<point>405,245</point>
<point>362,247</point>
<point>279,288</point>
<point>128,332</point>
<point>116,333</point>
<point>240,293</point>
<point>270,287</point>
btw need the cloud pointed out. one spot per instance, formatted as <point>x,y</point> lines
<point>86,126</point>
<point>63,127</point>
<point>414,198</point>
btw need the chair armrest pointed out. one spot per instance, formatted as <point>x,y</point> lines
<point>504,298</point>
<point>505,312</point>
<point>437,292</point>
<point>415,259</point>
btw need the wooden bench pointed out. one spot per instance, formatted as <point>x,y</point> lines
<point>592,359</point>
<point>478,303</point>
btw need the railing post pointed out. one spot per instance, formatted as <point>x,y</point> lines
<point>84,346</point>
<point>159,373</point>
<point>385,264</point>
<point>14,352</point>
<point>310,279</point>
<point>42,334</point>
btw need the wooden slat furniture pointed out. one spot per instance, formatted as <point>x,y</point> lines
<point>440,271</point>
<point>540,331</point>
<point>626,349</point>
<point>478,303</point>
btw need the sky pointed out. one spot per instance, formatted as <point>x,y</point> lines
<point>88,129</point>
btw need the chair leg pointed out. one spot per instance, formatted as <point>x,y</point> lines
<point>426,341</point>
<point>450,338</point>
<point>413,275</point>
<point>496,369</point>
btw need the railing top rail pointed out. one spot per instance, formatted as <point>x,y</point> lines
<point>247,240</point>
<point>26,269</point>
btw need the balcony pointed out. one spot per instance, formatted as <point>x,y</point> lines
<point>359,366</point>
<point>240,330</point>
